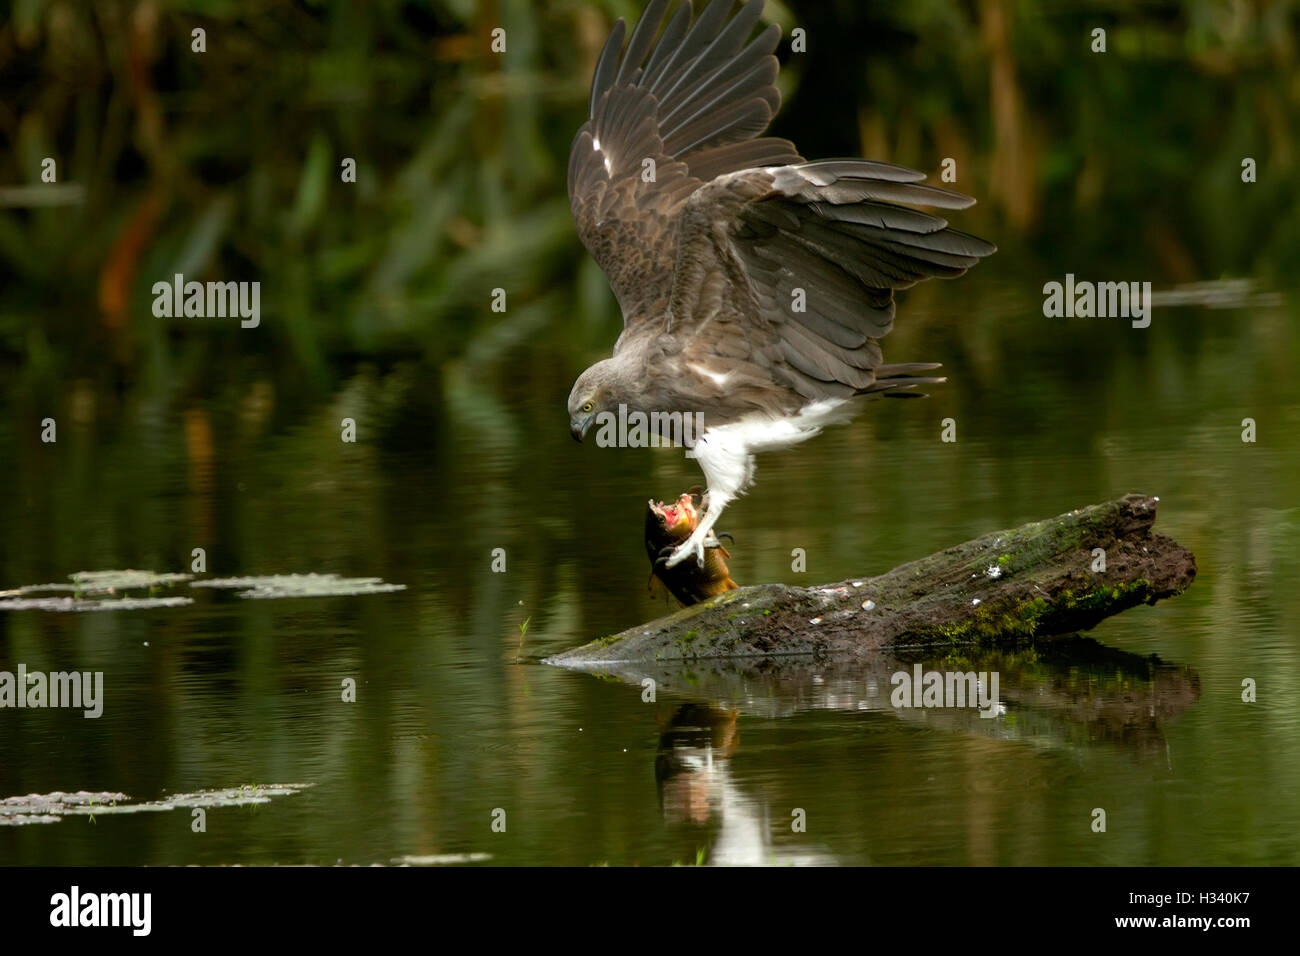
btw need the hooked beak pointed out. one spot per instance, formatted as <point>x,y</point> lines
<point>579,431</point>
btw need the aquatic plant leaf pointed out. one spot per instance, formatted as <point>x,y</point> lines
<point>71,604</point>
<point>54,806</point>
<point>300,585</point>
<point>87,587</point>
<point>40,589</point>
<point>97,582</point>
<point>90,583</point>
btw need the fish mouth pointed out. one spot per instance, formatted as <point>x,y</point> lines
<point>679,518</point>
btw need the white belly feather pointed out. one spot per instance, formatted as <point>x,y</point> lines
<point>726,452</point>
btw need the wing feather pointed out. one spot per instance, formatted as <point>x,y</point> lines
<point>642,37</point>
<point>810,256</point>
<point>694,103</point>
<point>607,65</point>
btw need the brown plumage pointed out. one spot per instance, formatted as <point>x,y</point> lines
<point>754,285</point>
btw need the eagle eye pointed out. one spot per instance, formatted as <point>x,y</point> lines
<point>587,406</point>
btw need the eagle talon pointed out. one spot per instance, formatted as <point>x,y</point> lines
<point>686,548</point>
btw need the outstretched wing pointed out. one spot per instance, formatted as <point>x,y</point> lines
<point>790,272</point>
<point>665,118</point>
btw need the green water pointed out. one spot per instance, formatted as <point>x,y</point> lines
<point>447,727</point>
<point>177,434</point>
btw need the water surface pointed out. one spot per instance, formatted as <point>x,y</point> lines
<point>447,726</point>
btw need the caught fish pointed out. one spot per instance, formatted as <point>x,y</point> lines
<point>666,527</point>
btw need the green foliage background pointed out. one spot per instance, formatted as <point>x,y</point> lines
<point>225,164</point>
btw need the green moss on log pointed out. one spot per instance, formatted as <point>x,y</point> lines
<point>998,590</point>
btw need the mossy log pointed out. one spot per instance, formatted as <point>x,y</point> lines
<point>1032,581</point>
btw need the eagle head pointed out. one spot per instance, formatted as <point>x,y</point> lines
<point>594,392</point>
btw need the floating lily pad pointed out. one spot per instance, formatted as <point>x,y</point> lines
<point>100,590</point>
<point>91,604</point>
<point>106,582</point>
<point>91,583</point>
<point>40,589</point>
<point>97,591</point>
<point>52,807</point>
<point>300,585</point>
